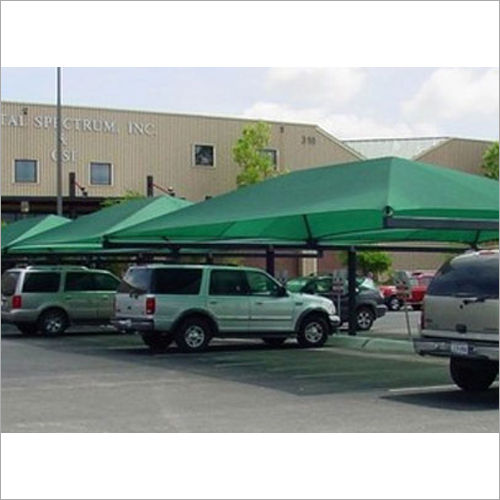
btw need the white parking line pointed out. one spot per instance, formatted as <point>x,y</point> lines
<point>424,388</point>
<point>433,387</point>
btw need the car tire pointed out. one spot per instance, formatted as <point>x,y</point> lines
<point>53,322</point>
<point>27,328</point>
<point>364,318</point>
<point>473,374</point>
<point>274,341</point>
<point>158,342</point>
<point>314,331</point>
<point>394,303</point>
<point>194,334</point>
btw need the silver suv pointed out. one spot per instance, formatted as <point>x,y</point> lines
<point>50,298</point>
<point>193,303</point>
<point>460,319</point>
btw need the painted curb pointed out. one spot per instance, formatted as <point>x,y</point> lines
<point>372,344</point>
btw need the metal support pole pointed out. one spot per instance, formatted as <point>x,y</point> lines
<point>149,186</point>
<point>72,184</point>
<point>270,260</point>
<point>59,146</point>
<point>351,277</point>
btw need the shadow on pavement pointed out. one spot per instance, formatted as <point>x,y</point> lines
<point>451,400</point>
<point>291,369</point>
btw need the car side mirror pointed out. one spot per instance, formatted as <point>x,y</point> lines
<point>281,292</point>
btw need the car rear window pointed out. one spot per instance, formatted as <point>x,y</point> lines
<point>136,280</point>
<point>474,277</point>
<point>177,281</point>
<point>41,282</point>
<point>9,282</point>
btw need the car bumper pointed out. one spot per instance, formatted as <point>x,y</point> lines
<point>19,316</point>
<point>133,325</point>
<point>435,346</point>
<point>334,320</point>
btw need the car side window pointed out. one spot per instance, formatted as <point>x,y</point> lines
<point>224,282</point>
<point>41,282</point>
<point>260,284</point>
<point>105,282</point>
<point>79,282</point>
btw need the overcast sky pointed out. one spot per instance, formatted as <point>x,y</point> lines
<point>347,102</point>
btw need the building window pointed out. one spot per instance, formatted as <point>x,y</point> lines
<point>204,155</point>
<point>273,154</point>
<point>25,171</point>
<point>100,174</point>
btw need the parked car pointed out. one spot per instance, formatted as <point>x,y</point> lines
<point>419,281</point>
<point>460,319</point>
<point>191,304</point>
<point>391,299</point>
<point>369,301</point>
<point>48,299</point>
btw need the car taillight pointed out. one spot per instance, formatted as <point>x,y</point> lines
<point>17,302</point>
<point>150,305</point>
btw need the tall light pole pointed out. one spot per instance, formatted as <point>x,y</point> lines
<point>59,146</point>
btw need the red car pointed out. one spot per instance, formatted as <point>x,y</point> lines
<point>419,281</point>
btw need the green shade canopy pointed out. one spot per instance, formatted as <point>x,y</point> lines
<point>87,232</point>
<point>17,232</point>
<point>337,204</point>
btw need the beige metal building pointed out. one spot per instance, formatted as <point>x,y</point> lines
<point>112,151</point>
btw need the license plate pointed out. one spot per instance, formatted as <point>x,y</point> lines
<point>460,348</point>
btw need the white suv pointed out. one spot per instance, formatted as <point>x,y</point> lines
<point>193,303</point>
<point>460,318</point>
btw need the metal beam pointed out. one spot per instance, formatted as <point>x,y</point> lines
<point>440,223</point>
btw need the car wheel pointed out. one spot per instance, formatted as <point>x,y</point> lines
<point>473,374</point>
<point>274,341</point>
<point>157,342</point>
<point>313,331</point>
<point>364,318</point>
<point>193,335</point>
<point>27,328</point>
<point>394,304</point>
<point>53,322</point>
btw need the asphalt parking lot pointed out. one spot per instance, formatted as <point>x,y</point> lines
<point>101,381</point>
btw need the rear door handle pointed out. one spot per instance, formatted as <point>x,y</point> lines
<point>260,303</point>
<point>68,297</point>
<point>213,302</point>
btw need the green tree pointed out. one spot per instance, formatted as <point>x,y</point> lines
<point>129,195</point>
<point>248,153</point>
<point>370,261</point>
<point>490,162</point>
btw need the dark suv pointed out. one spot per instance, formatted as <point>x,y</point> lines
<point>369,301</point>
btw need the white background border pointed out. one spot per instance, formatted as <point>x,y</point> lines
<point>250,465</point>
